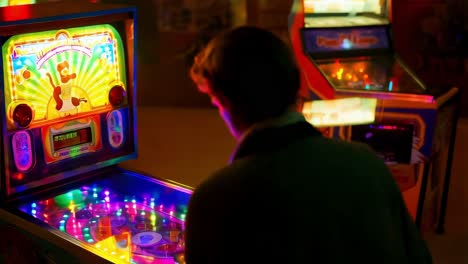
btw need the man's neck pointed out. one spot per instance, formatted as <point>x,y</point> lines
<point>284,119</point>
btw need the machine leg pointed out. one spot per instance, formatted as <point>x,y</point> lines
<point>448,173</point>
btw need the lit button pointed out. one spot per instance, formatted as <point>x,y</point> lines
<point>115,129</point>
<point>22,150</point>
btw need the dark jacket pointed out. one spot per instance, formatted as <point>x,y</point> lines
<point>293,196</point>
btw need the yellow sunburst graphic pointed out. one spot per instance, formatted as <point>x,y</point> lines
<point>65,76</point>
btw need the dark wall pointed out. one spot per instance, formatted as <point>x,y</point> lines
<point>431,36</point>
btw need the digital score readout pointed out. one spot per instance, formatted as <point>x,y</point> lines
<point>72,138</point>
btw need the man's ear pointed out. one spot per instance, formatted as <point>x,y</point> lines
<point>204,86</point>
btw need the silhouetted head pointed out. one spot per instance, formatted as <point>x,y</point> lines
<point>249,73</point>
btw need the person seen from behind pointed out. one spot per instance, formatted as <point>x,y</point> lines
<point>289,194</point>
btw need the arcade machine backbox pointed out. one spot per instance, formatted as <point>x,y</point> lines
<point>68,119</point>
<point>357,88</point>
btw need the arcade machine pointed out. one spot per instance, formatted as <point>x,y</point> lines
<point>355,87</point>
<point>68,119</point>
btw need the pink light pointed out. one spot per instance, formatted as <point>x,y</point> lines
<point>106,193</point>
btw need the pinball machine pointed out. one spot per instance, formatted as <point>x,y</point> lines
<point>356,87</point>
<point>68,119</point>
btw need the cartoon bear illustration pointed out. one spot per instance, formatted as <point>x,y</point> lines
<point>64,102</point>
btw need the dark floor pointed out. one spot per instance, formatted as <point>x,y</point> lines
<point>191,143</point>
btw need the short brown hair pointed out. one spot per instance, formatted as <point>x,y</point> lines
<point>253,68</point>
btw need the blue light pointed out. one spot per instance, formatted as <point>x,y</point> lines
<point>33,211</point>
<point>367,87</point>
<point>390,86</point>
<point>346,44</point>
<point>33,205</point>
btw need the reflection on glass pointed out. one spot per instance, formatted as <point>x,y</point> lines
<point>382,74</point>
<point>133,228</point>
<point>340,112</point>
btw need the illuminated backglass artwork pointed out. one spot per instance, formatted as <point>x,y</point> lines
<point>62,73</point>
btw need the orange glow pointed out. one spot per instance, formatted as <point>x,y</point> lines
<point>355,73</point>
<point>18,176</point>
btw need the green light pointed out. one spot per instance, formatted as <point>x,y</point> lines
<point>90,240</point>
<point>86,229</point>
<point>86,235</point>
<point>62,228</point>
